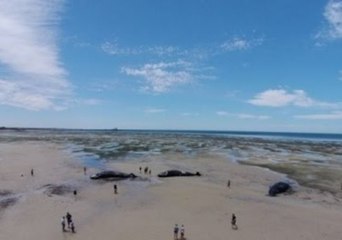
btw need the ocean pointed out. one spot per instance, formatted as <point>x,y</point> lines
<point>312,159</point>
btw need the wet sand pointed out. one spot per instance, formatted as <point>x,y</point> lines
<point>149,207</point>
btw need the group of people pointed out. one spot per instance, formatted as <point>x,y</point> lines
<point>146,170</point>
<point>69,222</point>
<point>179,232</point>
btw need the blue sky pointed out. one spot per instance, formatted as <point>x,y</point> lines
<point>269,65</point>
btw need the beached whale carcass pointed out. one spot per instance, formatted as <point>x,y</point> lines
<point>279,187</point>
<point>177,173</point>
<point>113,175</point>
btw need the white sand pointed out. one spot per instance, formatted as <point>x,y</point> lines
<point>149,209</point>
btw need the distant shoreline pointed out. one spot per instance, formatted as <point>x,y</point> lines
<point>290,135</point>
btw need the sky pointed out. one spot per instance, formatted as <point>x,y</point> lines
<point>268,65</point>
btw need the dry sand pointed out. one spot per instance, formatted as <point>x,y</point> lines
<point>148,209</point>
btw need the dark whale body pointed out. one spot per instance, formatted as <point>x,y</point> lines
<point>279,187</point>
<point>177,173</point>
<point>114,175</point>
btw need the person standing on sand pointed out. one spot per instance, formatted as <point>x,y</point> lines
<point>228,183</point>
<point>233,222</point>
<point>115,189</point>
<point>175,232</point>
<point>69,218</point>
<point>63,223</point>
<point>85,170</point>
<point>32,173</point>
<point>182,232</point>
<point>140,169</point>
<point>72,226</point>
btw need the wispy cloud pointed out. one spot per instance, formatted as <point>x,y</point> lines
<point>161,77</point>
<point>281,98</point>
<point>189,114</point>
<point>113,48</point>
<point>333,17</point>
<point>35,78</point>
<point>154,110</point>
<point>240,43</point>
<point>243,115</point>
<point>222,113</point>
<point>251,116</point>
<point>336,115</point>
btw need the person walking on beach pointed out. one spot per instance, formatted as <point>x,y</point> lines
<point>182,232</point>
<point>233,222</point>
<point>69,219</point>
<point>72,226</point>
<point>228,183</point>
<point>146,170</point>
<point>85,170</point>
<point>63,223</point>
<point>140,169</point>
<point>175,232</point>
<point>115,189</point>
<point>32,173</point>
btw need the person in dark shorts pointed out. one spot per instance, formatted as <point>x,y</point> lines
<point>72,226</point>
<point>175,232</point>
<point>233,222</point>
<point>69,219</point>
<point>182,232</point>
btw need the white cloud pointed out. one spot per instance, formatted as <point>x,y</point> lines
<point>113,48</point>
<point>222,113</point>
<point>91,102</point>
<point>337,115</point>
<point>243,115</point>
<point>154,110</point>
<point>188,114</point>
<point>35,79</point>
<point>238,43</point>
<point>250,116</point>
<point>161,77</point>
<point>333,14</point>
<point>333,28</point>
<point>280,98</point>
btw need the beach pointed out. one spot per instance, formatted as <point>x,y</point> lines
<point>149,207</point>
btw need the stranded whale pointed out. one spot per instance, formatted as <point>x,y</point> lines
<point>112,175</point>
<point>279,187</point>
<point>177,173</point>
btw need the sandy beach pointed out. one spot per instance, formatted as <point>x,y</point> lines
<point>149,207</point>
